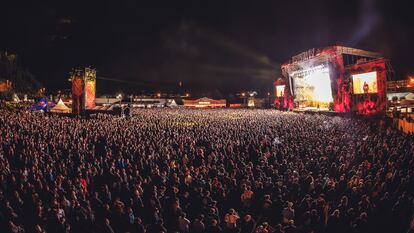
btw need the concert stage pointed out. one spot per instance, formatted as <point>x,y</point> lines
<point>335,78</point>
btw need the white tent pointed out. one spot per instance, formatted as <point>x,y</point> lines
<point>60,107</point>
<point>399,95</point>
<point>409,96</point>
<point>171,103</point>
<point>16,98</point>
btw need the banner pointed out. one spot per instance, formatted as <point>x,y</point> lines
<point>90,89</point>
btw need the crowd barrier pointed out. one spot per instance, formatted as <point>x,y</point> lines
<point>404,125</point>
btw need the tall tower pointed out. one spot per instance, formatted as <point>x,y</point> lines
<point>83,89</point>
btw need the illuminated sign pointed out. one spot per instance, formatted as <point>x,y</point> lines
<point>365,83</point>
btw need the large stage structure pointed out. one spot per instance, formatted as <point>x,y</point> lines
<point>83,89</point>
<point>334,78</point>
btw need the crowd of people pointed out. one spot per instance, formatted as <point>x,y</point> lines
<point>204,171</point>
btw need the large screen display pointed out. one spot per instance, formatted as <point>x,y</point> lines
<point>312,87</point>
<point>365,83</point>
<point>90,87</point>
<point>280,90</point>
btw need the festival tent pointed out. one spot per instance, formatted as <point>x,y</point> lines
<point>16,98</point>
<point>60,107</point>
<point>171,103</point>
<point>410,96</point>
<point>399,95</point>
<point>408,101</point>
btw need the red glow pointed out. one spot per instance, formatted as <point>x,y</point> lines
<point>276,103</point>
<point>90,86</point>
<point>342,96</point>
<point>368,104</point>
<point>328,50</point>
<point>76,95</point>
<point>366,107</point>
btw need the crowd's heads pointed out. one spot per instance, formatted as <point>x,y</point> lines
<point>271,168</point>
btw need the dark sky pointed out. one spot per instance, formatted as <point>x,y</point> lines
<point>210,45</point>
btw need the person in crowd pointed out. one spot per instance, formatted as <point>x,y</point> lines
<point>288,213</point>
<point>290,227</point>
<point>107,227</point>
<point>198,224</point>
<point>213,227</point>
<point>231,219</point>
<point>138,227</point>
<point>247,224</point>
<point>183,223</point>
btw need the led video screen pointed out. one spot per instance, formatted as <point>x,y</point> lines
<point>365,83</point>
<point>312,86</point>
<point>90,87</point>
<point>280,90</point>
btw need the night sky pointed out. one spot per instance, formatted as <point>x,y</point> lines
<point>216,46</point>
